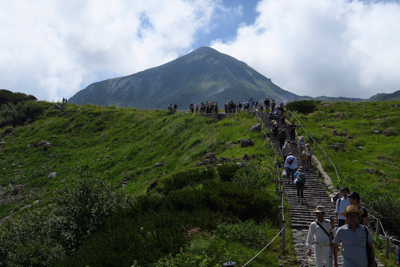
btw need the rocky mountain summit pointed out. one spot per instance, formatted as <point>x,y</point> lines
<point>202,75</point>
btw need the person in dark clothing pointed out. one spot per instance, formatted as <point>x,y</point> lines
<point>282,137</point>
<point>275,130</point>
<point>354,198</point>
<point>273,105</point>
<point>292,132</point>
<point>266,104</point>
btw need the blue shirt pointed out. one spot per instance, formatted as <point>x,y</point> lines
<point>398,255</point>
<point>294,163</point>
<point>354,245</point>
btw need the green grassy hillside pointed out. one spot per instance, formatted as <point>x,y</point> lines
<point>362,140</point>
<point>98,201</point>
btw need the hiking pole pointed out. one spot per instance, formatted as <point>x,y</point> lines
<point>330,263</point>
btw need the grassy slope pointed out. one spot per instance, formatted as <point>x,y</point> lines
<point>356,120</point>
<point>119,144</point>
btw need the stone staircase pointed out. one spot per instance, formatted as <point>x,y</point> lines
<point>301,213</point>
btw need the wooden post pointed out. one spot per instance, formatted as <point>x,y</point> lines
<point>327,160</point>
<point>378,227</point>
<point>387,247</point>
<point>284,238</point>
<point>340,188</point>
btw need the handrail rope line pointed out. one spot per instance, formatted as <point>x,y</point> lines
<point>337,175</point>
<point>265,246</point>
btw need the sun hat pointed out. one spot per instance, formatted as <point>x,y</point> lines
<point>319,209</point>
<point>352,209</point>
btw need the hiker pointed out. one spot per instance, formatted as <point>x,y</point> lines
<point>197,108</point>
<point>216,107</point>
<point>292,132</point>
<point>300,181</point>
<point>341,205</point>
<point>175,107</point>
<point>398,256</point>
<point>266,104</point>
<point>303,158</point>
<point>354,198</point>
<point>301,145</point>
<point>323,230</point>
<point>291,166</point>
<point>309,153</point>
<point>251,104</point>
<point>355,239</point>
<point>285,151</point>
<point>282,137</point>
<point>273,104</point>
<point>239,105</point>
<point>281,109</point>
<point>275,130</point>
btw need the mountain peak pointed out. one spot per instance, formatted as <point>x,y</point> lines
<point>202,75</point>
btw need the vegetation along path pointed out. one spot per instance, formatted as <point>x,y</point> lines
<point>301,213</point>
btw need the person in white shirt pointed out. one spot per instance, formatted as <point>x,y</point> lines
<point>341,205</point>
<point>323,230</point>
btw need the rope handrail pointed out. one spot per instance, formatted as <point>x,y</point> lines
<point>265,246</point>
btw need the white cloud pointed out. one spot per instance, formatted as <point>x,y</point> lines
<point>323,47</point>
<point>50,48</point>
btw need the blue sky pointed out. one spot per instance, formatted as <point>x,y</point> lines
<point>53,48</point>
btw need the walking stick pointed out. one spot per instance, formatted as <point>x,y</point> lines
<point>330,264</point>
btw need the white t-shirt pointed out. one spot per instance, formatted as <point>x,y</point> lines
<point>343,204</point>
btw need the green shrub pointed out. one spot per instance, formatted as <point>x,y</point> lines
<point>248,233</point>
<point>226,172</point>
<point>303,106</point>
<point>251,176</point>
<point>181,180</point>
<point>51,232</point>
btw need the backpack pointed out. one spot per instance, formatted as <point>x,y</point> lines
<point>302,179</point>
<point>291,161</point>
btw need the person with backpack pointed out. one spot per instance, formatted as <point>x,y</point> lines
<point>282,137</point>
<point>341,205</point>
<point>239,105</point>
<point>290,166</point>
<point>323,230</point>
<point>309,153</point>
<point>175,107</point>
<point>300,181</point>
<point>356,241</point>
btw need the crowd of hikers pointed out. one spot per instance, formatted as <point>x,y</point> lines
<point>233,107</point>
